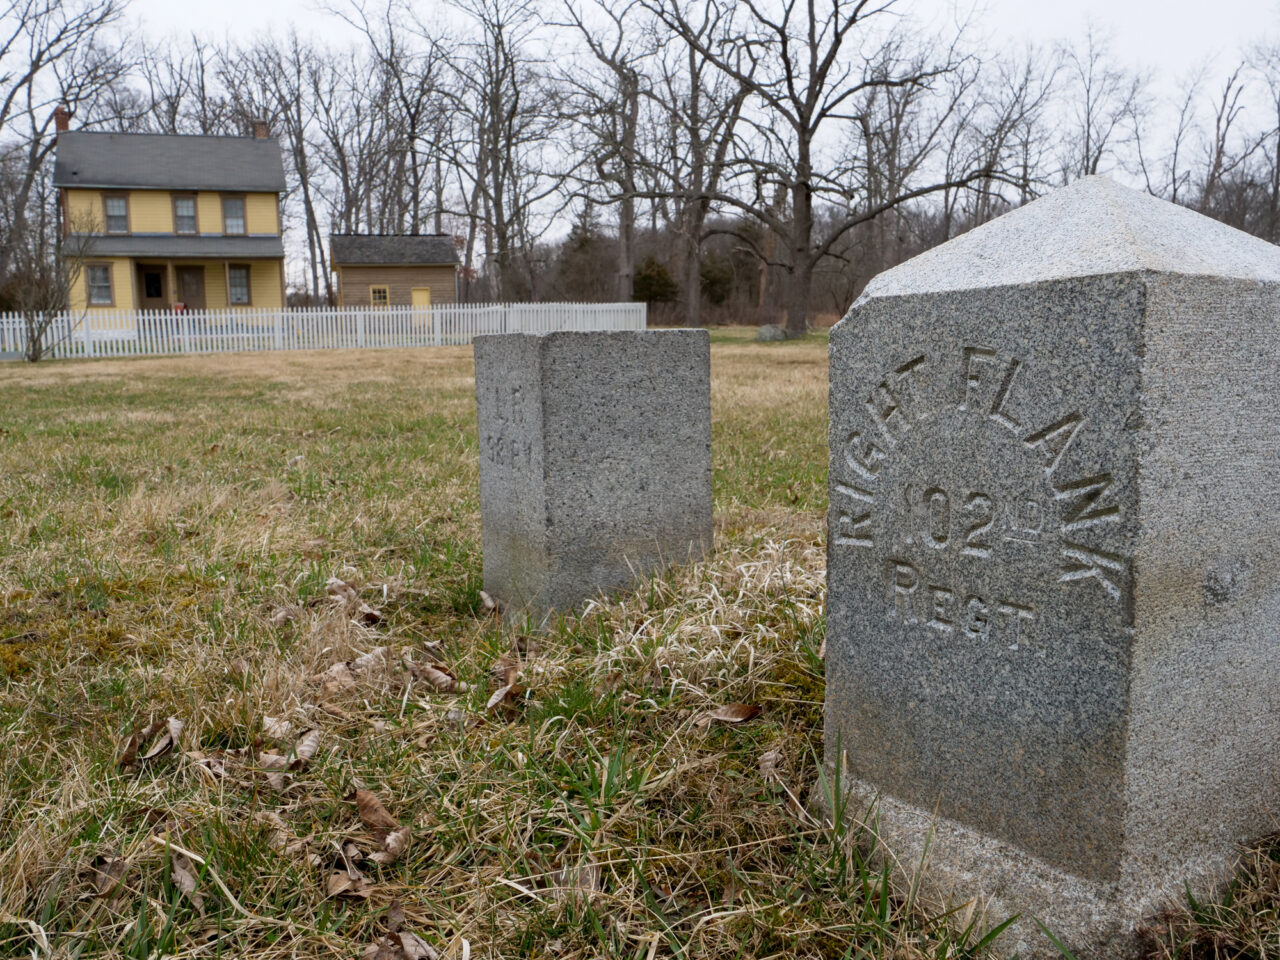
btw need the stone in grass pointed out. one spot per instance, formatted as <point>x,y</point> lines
<point>770,333</point>
<point>595,461</point>
<point>1053,646</point>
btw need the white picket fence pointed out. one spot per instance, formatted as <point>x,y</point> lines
<point>144,333</point>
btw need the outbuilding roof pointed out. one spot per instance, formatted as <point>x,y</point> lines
<point>391,250</point>
<point>142,161</point>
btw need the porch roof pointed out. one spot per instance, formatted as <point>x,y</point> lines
<point>170,247</point>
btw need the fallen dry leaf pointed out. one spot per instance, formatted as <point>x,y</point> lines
<point>340,883</point>
<point>730,713</point>
<point>505,697</point>
<point>305,749</point>
<point>436,675</point>
<point>337,679</point>
<point>282,615</point>
<point>346,594</point>
<point>279,836</point>
<point>173,732</point>
<point>769,761</point>
<point>505,671</point>
<point>367,661</point>
<point>367,614</point>
<point>108,873</point>
<point>275,764</point>
<point>129,754</point>
<point>270,760</point>
<point>527,646</point>
<point>184,876</point>
<point>393,845</point>
<point>342,590</point>
<point>373,814</point>
<point>486,601</point>
<point>395,916</point>
<point>276,727</point>
<point>582,880</point>
<point>400,946</point>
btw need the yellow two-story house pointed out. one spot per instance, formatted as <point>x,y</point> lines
<point>165,222</point>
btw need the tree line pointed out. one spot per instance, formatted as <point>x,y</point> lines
<point>727,159</point>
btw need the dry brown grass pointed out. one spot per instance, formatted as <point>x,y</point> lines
<point>168,530</point>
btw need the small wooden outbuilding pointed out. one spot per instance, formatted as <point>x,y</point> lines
<point>381,270</point>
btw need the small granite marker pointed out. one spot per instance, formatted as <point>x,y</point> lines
<point>595,461</point>
<point>1053,646</point>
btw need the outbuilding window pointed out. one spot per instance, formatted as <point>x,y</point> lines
<point>379,296</point>
<point>98,276</point>
<point>238,285</point>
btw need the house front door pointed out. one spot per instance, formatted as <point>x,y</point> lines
<point>191,287</point>
<point>152,280</point>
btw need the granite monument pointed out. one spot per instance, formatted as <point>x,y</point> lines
<point>1054,560</point>
<point>595,461</point>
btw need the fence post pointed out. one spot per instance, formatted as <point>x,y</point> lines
<point>87,333</point>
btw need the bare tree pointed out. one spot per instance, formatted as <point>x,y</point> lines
<point>53,53</point>
<point>506,154</point>
<point>273,83</point>
<point>812,71</point>
<point>407,86</point>
<point>606,95</point>
<point>696,110</point>
<point>1221,160</point>
<point>46,269</point>
<point>1266,63</point>
<point>1105,103</point>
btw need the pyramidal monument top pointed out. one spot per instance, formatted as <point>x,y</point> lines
<point>1093,226</point>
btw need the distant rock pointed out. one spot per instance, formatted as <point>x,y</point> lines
<point>770,332</point>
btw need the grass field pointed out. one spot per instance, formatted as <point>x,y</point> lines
<point>168,529</point>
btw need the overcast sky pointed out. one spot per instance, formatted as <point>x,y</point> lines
<point>1167,36</point>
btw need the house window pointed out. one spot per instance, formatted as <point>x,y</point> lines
<point>238,285</point>
<point>152,285</point>
<point>99,278</point>
<point>379,296</point>
<point>233,215</point>
<point>117,212</point>
<point>184,214</point>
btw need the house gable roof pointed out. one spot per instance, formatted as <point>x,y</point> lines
<point>388,250</point>
<point>168,162</point>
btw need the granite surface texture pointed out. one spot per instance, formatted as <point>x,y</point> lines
<point>1053,647</point>
<point>595,461</point>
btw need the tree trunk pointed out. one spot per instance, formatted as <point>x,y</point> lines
<point>692,279</point>
<point>801,256</point>
<point>626,246</point>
